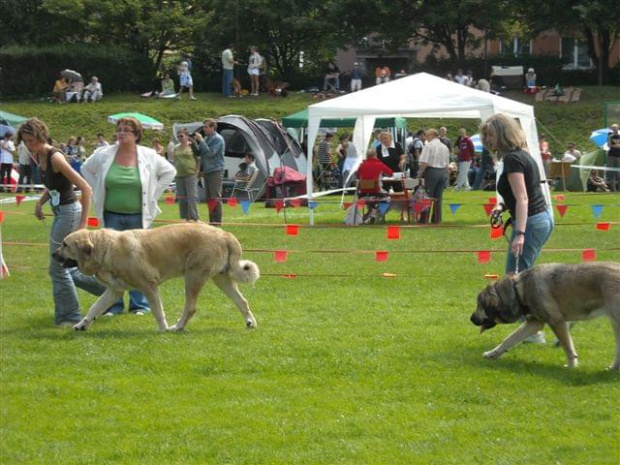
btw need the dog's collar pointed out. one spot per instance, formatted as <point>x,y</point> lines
<point>524,308</point>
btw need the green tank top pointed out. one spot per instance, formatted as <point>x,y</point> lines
<point>123,190</point>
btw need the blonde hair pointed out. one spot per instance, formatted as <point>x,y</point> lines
<point>34,127</point>
<point>508,134</point>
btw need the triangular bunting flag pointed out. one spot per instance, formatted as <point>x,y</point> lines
<point>588,255</point>
<point>279,204</point>
<point>280,256</point>
<point>559,197</point>
<point>393,232</point>
<point>212,204</point>
<point>313,204</point>
<point>562,209</point>
<point>245,205</point>
<point>484,256</point>
<point>381,256</point>
<point>295,203</point>
<point>597,210</point>
<point>346,205</point>
<point>493,200</point>
<point>454,207</point>
<point>170,200</point>
<point>19,199</point>
<point>383,207</point>
<point>232,202</point>
<point>361,203</point>
<point>488,208</point>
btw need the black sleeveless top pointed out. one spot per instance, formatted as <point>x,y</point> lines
<point>57,182</point>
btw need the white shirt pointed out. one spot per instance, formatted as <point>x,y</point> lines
<point>24,154</point>
<point>435,154</point>
<point>6,152</point>
<point>156,174</point>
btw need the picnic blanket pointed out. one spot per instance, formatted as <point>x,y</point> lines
<point>571,94</point>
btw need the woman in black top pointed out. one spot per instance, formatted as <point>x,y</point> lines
<point>520,187</point>
<point>70,214</point>
<point>392,154</point>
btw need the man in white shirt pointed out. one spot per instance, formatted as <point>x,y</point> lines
<point>572,154</point>
<point>433,171</point>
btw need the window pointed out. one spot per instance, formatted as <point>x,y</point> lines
<point>575,53</point>
<point>515,46</point>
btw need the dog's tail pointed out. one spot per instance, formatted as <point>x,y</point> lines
<point>241,271</point>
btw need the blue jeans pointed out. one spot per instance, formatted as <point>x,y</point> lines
<point>123,222</point>
<point>64,280</point>
<point>227,79</point>
<point>537,231</point>
<point>480,175</point>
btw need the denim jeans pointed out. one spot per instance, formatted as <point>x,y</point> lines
<point>64,280</point>
<point>481,174</point>
<point>123,222</point>
<point>227,79</point>
<point>537,231</point>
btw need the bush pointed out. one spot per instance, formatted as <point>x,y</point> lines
<point>118,70</point>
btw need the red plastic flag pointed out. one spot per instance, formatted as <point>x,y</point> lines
<point>93,222</point>
<point>488,208</point>
<point>212,203</point>
<point>279,205</point>
<point>280,256</point>
<point>232,202</point>
<point>393,232</point>
<point>295,203</point>
<point>292,229</point>
<point>170,200</point>
<point>493,200</point>
<point>19,199</point>
<point>560,197</point>
<point>496,233</point>
<point>603,226</point>
<point>562,209</point>
<point>381,256</point>
<point>346,205</point>
<point>361,203</point>
<point>588,255</point>
<point>1,217</point>
<point>484,256</point>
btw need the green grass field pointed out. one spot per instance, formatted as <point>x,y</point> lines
<point>354,361</point>
<point>346,365</point>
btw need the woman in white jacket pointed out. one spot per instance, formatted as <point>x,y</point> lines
<point>127,180</point>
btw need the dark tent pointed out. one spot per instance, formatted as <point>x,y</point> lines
<point>287,148</point>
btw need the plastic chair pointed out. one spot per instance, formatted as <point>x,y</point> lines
<point>250,187</point>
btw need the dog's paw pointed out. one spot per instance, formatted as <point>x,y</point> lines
<point>250,324</point>
<point>174,329</point>
<point>82,325</point>
<point>492,354</point>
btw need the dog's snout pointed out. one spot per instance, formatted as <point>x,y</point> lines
<point>475,320</point>
<point>56,256</point>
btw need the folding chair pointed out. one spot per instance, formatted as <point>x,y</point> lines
<point>371,212</point>
<point>251,187</point>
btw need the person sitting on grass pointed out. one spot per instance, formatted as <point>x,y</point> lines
<point>59,93</point>
<point>596,183</point>
<point>93,91</point>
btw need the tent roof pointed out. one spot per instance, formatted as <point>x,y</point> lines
<point>420,95</point>
<point>11,118</point>
<point>300,120</point>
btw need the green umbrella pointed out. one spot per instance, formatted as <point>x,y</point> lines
<point>146,121</point>
<point>11,119</point>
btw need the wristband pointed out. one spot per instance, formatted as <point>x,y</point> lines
<point>519,233</point>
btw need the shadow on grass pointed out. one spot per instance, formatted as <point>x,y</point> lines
<point>41,329</point>
<point>595,372</point>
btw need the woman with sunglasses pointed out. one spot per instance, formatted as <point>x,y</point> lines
<point>188,167</point>
<point>127,180</point>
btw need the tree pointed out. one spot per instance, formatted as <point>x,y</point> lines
<point>598,21</point>
<point>440,22</point>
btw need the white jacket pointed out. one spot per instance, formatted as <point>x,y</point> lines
<point>156,174</point>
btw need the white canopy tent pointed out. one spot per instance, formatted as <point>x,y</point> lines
<point>420,95</point>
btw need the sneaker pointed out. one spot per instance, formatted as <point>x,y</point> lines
<point>192,98</point>
<point>109,314</point>
<point>536,338</point>
<point>139,313</point>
